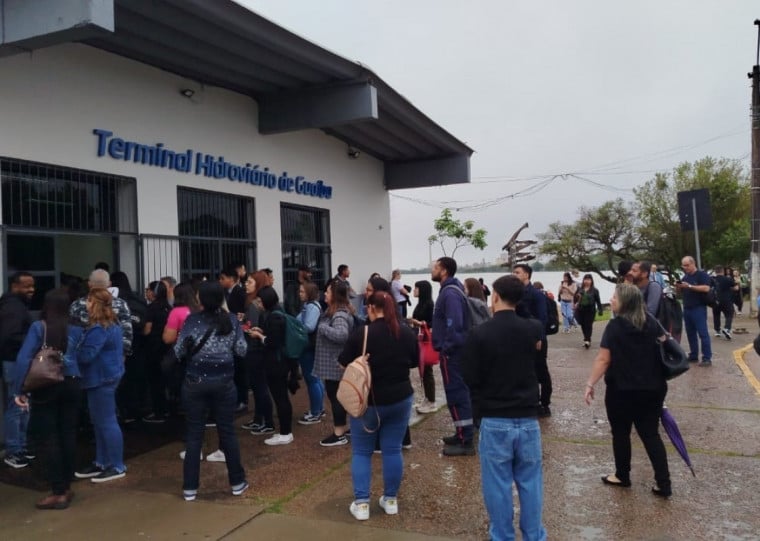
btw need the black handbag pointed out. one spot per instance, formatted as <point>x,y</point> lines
<point>673,358</point>
<point>45,368</point>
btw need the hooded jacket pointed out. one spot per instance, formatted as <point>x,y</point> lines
<point>449,328</point>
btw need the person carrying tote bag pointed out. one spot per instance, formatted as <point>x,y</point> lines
<point>56,407</point>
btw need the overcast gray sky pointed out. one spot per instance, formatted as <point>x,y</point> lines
<point>613,91</point>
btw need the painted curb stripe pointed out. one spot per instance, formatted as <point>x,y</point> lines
<point>739,359</point>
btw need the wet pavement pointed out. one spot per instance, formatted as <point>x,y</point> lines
<point>302,490</point>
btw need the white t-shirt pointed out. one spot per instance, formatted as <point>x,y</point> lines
<point>396,287</point>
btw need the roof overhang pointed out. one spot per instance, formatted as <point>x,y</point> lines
<point>297,84</point>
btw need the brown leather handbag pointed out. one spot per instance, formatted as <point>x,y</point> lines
<point>46,367</point>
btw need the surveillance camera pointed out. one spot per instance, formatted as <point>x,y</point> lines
<point>353,153</point>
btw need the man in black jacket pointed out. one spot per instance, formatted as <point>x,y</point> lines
<point>499,368</point>
<point>15,321</point>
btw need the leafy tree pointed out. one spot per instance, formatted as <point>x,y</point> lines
<point>461,233</point>
<point>600,238</point>
<point>726,243</point>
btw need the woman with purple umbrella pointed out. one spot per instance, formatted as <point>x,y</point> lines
<point>629,360</point>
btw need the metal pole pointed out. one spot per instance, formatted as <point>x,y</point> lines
<point>696,232</point>
<point>755,179</point>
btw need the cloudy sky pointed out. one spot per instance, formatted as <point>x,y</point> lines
<point>609,91</point>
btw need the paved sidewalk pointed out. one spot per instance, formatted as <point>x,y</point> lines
<point>302,490</point>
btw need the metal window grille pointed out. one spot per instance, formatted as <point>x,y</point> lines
<point>42,196</point>
<point>305,241</point>
<point>215,230</point>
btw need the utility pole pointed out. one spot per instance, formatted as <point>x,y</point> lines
<point>755,186</point>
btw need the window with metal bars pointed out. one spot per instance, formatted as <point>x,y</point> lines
<point>305,241</point>
<point>215,230</point>
<point>42,196</point>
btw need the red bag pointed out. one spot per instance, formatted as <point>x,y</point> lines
<point>428,356</point>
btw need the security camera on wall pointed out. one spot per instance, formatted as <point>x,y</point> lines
<point>353,153</point>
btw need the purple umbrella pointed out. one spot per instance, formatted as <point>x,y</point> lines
<point>671,429</point>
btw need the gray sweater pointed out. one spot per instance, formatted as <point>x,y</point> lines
<point>332,334</point>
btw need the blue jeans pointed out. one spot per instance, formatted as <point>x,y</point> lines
<point>313,383</point>
<point>219,396</point>
<point>457,396</point>
<point>695,321</point>
<point>394,420</point>
<point>566,307</point>
<point>510,451</point>
<point>109,441</point>
<point>15,420</point>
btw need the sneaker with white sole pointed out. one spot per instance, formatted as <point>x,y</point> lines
<point>726,335</point>
<point>189,495</point>
<point>334,440</point>
<point>250,425</point>
<point>183,453</point>
<point>279,439</point>
<point>108,475</point>
<point>262,429</point>
<point>427,407</point>
<point>237,490</point>
<point>309,419</point>
<point>389,505</point>
<point>17,461</point>
<point>359,510</point>
<point>216,456</point>
<point>88,472</point>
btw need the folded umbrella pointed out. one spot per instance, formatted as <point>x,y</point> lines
<point>671,429</point>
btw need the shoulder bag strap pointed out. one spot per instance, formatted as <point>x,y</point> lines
<point>44,333</point>
<point>364,347</point>
<point>203,341</point>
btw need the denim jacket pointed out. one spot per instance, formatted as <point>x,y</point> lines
<point>32,344</point>
<point>99,352</point>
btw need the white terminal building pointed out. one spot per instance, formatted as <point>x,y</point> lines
<point>174,137</point>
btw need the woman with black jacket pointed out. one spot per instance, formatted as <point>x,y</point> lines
<point>586,299</point>
<point>271,333</point>
<point>156,317</point>
<point>423,313</point>
<point>393,351</point>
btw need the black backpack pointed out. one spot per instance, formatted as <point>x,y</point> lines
<point>669,313</point>
<point>552,317</point>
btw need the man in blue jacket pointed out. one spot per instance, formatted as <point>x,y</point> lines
<point>449,334</point>
<point>533,305</point>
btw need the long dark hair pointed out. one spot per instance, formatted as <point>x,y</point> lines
<point>339,292</point>
<point>184,295</point>
<point>211,295</point>
<point>55,314</point>
<point>384,301</point>
<point>120,280</point>
<point>424,292</point>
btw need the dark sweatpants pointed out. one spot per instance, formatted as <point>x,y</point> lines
<point>457,396</point>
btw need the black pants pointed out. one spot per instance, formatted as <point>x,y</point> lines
<point>338,413</point>
<point>542,374</point>
<point>130,397</point>
<point>585,318</point>
<point>54,423</point>
<point>257,379</point>
<point>277,380</point>
<point>641,409</point>
<point>156,383</point>
<point>241,380</point>
<point>428,383</point>
<point>199,398</point>
<point>725,308</point>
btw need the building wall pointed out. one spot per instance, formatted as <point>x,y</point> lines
<point>52,99</point>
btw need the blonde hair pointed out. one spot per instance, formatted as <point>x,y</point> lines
<point>101,307</point>
<point>630,305</point>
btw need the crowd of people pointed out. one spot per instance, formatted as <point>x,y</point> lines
<point>201,349</point>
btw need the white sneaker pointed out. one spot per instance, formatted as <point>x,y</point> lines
<point>427,407</point>
<point>216,456</point>
<point>182,455</point>
<point>389,505</point>
<point>359,510</point>
<point>279,439</point>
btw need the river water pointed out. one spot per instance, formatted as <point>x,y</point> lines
<point>551,281</point>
